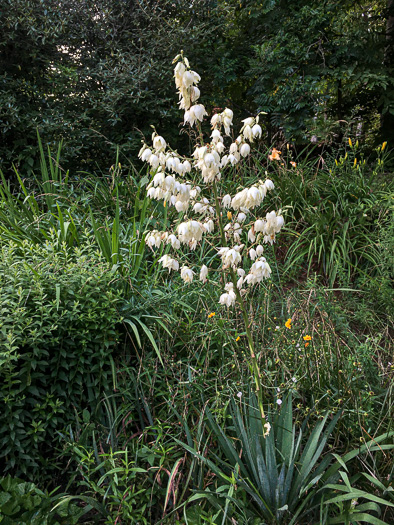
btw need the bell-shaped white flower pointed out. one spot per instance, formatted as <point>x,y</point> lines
<point>195,93</point>
<point>187,166</point>
<point>154,161</point>
<point>159,143</point>
<point>251,235</point>
<point>168,262</point>
<point>209,160</point>
<point>256,131</point>
<point>245,150</point>
<point>199,111</point>
<point>187,274</point>
<point>260,270</point>
<point>203,273</point>
<point>259,225</point>
<point>175,243</point>
<point>259,250</point>
<point>233,148</point>
<point>230,256</point>
<point>269,184</point>
<point>229,298</point>
<point>226,201</point>
<point>216,120</point>
<point>247,133</point>
<point>248,121</point>
<point>228,113</point>
<point>252,254</point>
<point>227,123</point>
<point>146,154</point>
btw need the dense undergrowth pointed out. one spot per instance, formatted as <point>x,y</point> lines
<point>126,395</point>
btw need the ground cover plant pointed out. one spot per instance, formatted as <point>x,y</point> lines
<point>259,393</point>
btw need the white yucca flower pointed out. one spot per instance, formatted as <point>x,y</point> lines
<point>231,256</point>
<point>203,273</point>
<point>159,143</point>
<point>260,270</point>
<point>245,150</point>
<point>168,262</point>
<point>256,131</point>
<point>248,122</point>
<point>187,274</point>
<point>155,238</point>
<point>194,114</point>
<point>259,250</point>
<point>190,231</point>
<point>228,299</point>
<point>248,134</point>
<point>146,154</point>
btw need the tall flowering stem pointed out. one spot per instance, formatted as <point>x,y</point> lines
<point>187,185</point>
<point>241,303</point>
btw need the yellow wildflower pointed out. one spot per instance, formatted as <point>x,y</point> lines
<point>384,145</point>
<point>288,324</point>
<point>238,338</point>
<point>212,314</point>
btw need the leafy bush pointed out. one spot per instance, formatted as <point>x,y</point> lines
<point>59,313</point>
<point>25,504</point>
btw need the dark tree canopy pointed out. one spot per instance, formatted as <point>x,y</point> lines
<point>97,73</point>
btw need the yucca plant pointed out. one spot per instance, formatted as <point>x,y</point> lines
<point>285,474</point>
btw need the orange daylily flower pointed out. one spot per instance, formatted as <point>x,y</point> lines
<point>275,155</point>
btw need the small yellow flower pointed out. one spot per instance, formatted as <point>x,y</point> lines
<point>229,215</point>
<point>238,339</point>
<point>350,142</point>
<point>307,338</point>
<point>288,324</point>
<point>355,162</point>
<point>384,145</point>
<point>212,314</point>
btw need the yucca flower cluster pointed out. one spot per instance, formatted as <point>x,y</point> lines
<point>175,183</point>
<point>192,186</point>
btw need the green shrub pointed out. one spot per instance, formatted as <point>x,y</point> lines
<point>25,504</point>
<point>57,333</point>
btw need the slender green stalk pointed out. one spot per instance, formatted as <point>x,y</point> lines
<point>241,302</point>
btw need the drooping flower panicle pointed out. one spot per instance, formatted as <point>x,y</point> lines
<point>173,182</point>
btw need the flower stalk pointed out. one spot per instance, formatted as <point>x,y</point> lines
<point>203,216</point>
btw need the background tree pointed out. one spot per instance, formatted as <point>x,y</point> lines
<point>318,64</point>
<point>90,72</point>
